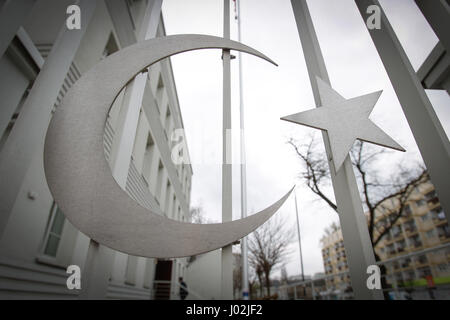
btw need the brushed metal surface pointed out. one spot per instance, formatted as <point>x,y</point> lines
<point>345,121</point>
<point>80,178</point>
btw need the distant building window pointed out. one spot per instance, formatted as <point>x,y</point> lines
<point>425,217</point>
<point>407,210</point>
<point>431,233</point>
<point>431,197</point>
<point>422,259</point>
<point>420,203</point>
<point>444,267</point>
<point>53,236</point>
<point>438,214</point>
<point>424,272</point>
<point>444,231</point>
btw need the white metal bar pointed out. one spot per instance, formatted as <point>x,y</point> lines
<point>353,222</point>
<point>428,132</point>
<point>227,215</point>
<point>244,245</point>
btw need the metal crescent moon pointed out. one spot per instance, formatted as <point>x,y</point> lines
<point>80,179</point>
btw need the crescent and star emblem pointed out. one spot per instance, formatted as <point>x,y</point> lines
<point>79,176</point>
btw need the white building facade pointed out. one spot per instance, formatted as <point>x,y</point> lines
<point>37,243</point>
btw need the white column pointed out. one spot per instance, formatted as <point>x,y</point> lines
<point>28,133</point>
<point>121,151</point>
<point>227,213</point>
<point>122,147</point>
<point>244,246</point>
<point>428,132</point>
<point>96,272</point>
<point>357,242</point>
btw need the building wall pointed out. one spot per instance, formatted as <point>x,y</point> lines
<point>38,242</point>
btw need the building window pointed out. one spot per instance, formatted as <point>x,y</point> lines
<point>424,272</point>
<point>410,226</point>
<point>53,236</point>
<point>111,47</point>
<point>431,233</point>
<point>401,245</point>
<point>415,241</point>
<point>425,217</point>
<point>420,203</point>
<point>396,231</point>
<point>438,214</point>
<point>444,231</point>
<point>422,259</point>
<point>443,267</point>
<point>407,210</point>
<point>406,262</point>
<point>431,197</point>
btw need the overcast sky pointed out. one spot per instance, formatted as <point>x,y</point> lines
<point>272,92</point>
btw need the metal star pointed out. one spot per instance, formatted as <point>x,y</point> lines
<point>345,121</point>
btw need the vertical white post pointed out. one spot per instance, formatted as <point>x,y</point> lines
<point>353,222</point>
<point>97,265</point>
<point>227,213</point>
<point>244,247</point>
<point>123,143</point>
<point>299,242</point>
<point>428,132</point>
<point>96,272</point>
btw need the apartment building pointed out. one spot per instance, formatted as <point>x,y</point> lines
<point>422,226</point>
<point>335,262</point>
<point>37,68</point>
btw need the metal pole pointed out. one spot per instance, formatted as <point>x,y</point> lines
<point>313,289</point>
<point>428,132</point>
<point>353,222</point>
<point>227,213</point>
<point>437,13</point>
<point>244,247</point>
<point>299,241</point>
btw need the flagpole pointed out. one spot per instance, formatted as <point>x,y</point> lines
<point>299,242</point>
<point>227,213</point>
<point>351,215</point>
<point>244,248</point>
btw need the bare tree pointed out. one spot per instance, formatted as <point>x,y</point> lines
<point>375,190</point>
<point>197,215</point>
<point>268,248</point>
